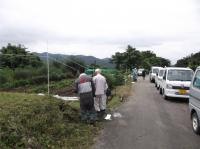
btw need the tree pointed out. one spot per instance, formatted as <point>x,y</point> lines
<point>133,58</point>
<point>13,56</point>
<point>118,59</point>
<point>192,61</point>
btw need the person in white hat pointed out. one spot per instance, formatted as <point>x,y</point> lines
<point>100,93</point>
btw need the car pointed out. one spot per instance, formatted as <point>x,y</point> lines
<point>140,71</point>
<point>154,70</point>
<point>176,82</point>
<point>159,77</point>
<point>194,101</point>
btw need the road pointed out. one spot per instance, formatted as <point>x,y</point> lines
<point>149,122</point>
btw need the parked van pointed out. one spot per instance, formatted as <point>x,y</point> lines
<point>154,70</point>
<point>176,82</point>
<point>140,71</point>
<point>194,101</point>
<point>159,78</point>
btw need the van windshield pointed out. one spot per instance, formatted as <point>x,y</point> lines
<point>179,75</point>
<point>155,70</point>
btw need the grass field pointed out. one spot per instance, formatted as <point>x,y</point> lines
<point>32,121</point>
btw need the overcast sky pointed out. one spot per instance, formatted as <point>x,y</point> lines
<point>170,28</point>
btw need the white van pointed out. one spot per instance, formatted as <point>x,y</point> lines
<point>154,70</point>
<point>159,78</point>
<point>140,71</point>
<point>194,101</point>
<point>176,82</point>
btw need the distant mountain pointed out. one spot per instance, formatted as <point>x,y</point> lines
<point>86,59</point>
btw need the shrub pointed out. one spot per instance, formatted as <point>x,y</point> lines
<point>19,83</point>
<point>21,73</point>
<point>3,78</point>
<point>39,80</point>
<point>114,80</point>
<point>55,76</point>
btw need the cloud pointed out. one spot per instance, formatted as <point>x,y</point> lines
<point>101,28</point>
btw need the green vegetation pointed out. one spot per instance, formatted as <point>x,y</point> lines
<point>192,61</point>
<point>133,58</point>
<point>21,69</point>
<point>8,58</point>
<point>30,121</point>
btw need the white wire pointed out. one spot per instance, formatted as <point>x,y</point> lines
<point>20,55</point>
<point>62,63</point>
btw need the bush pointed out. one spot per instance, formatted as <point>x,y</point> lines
<point>55,76</point>
<point>39,80</point>
<point>20,73</point>
<point>19,83</point>
<point>114,80</point>
<point>7,75</point>
<point>3,78</point>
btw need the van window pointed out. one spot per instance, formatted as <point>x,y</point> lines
<point>179,75</point>
<point>196,82</point>
<point>161,72</point>
<point>155,70</point>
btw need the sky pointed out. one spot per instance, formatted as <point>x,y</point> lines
<point>169,28</point>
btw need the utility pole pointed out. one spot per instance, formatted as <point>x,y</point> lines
<point>47,70</point>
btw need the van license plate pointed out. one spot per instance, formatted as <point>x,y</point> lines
<point>182,92</point>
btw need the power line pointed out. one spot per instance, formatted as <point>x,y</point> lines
<point>73,62</point>
<point>62,63</point>
<point>20,55</point>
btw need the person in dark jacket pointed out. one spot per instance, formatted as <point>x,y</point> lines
<point>85,88</point>
<point>143,74</point>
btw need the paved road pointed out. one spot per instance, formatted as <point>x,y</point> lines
<point>149,122</point>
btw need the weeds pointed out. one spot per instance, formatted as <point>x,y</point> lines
<point>30,121</point>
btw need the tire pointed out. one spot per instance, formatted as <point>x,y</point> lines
<point>164,96</point>
<point>155,85</point>
<point>195,123</point>
<point>158,87</point>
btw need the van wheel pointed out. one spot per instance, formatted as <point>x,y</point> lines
<point>195,123</point>
<point>164,96</point>
<point>158,87</point>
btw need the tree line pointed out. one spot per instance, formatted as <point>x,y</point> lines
<point>133,58</point>
<point>192,61</point>
<point>19,67</point>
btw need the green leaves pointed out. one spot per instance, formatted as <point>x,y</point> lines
<point>192,61</point>
<point>133,58</point>
<point>13,56</point>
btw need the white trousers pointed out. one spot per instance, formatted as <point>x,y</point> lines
<point>100,102</point>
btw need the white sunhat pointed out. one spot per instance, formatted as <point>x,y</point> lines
<point>98,70</point>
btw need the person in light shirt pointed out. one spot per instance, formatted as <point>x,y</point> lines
<point>100,93</point>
